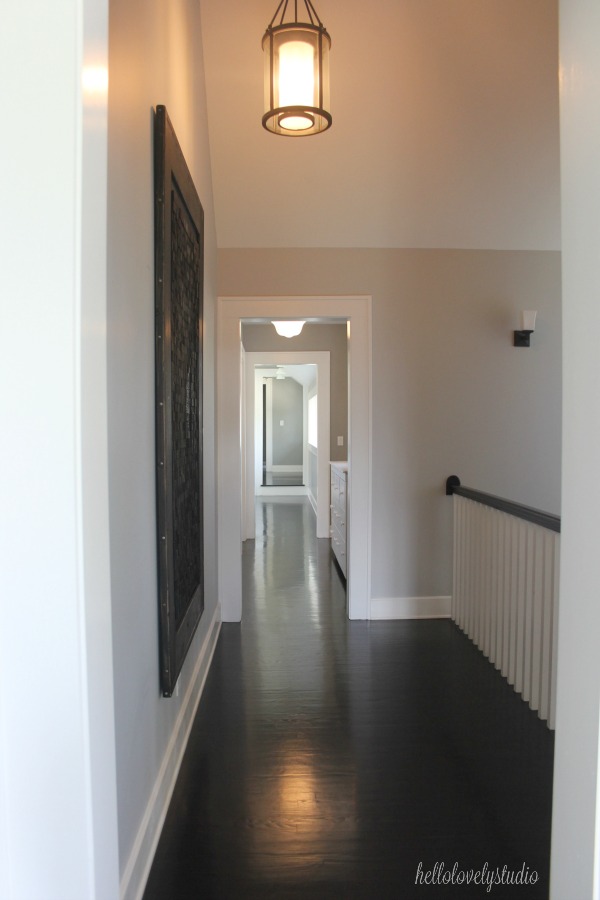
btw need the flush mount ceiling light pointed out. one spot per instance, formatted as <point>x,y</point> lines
<point>288,329</point>
<point>296,71</point>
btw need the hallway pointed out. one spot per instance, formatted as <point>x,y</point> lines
<point>330,758</point>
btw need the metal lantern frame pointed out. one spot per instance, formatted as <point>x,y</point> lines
<point>319,118</point>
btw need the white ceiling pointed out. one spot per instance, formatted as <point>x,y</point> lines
<point>445,128</point>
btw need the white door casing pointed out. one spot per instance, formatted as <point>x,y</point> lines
<point>230,313</point>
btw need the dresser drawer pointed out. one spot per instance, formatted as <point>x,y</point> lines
<point>339,513</point>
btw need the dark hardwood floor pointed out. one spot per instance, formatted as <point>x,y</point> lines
<point>331,759</point>
<point>280,479</point>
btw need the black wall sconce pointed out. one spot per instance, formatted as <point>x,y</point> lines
<point>522,337</point>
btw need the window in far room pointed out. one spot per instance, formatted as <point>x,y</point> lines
<point>312,421</point>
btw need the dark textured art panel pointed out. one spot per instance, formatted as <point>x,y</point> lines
<point>179,248</point>
<point>185,367</point>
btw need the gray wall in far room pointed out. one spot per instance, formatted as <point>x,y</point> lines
<point>314,336</point>
<point>288,422</point>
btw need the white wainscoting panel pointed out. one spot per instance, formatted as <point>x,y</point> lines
<point>505,597</point>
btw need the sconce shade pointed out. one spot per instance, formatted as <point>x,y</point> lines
<point>288,329</point>
<point>522,338</point>
<point>296,73</point>
<point>528,319</point>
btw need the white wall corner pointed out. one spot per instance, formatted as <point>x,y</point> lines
<point>410,608</point>
<point>137,868</point>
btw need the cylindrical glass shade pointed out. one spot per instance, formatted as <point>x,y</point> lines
<point>296,79</point>
<point>528,319</point>
<point>296,82</point>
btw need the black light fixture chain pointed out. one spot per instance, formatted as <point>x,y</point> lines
<point>312,11</point>
<point>312,14</point>
<point>283,3</point>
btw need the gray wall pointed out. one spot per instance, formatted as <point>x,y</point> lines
<point>288,407</point>
<point>450,394</point>
<point>163,50</point>
<point>313,337</point>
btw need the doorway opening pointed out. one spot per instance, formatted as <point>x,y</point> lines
<point>282,420</point>
<point>232,428</point>
<point>314,368</point>
<point>282,459</point>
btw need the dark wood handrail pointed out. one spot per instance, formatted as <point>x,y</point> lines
<point>537,516</point>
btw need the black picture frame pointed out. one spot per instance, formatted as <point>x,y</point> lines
<point>179,278</point>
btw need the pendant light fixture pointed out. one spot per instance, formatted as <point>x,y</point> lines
<point>296,71</point>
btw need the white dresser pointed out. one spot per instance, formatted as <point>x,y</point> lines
<point>339,513</point>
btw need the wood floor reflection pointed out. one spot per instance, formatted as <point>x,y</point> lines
<point>329,758</point>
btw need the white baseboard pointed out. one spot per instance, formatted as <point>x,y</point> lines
<point>135,874</point>
<point>312,499</point>
<point>410,607</point>
<point>281,490</point>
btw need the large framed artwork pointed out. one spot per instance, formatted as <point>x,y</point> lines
<point>179,269</point>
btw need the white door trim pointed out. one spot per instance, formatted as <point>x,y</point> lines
<point>230,313</point>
